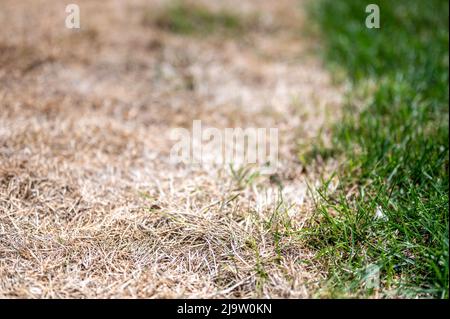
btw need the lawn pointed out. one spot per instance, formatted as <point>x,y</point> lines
<point>391,207</point>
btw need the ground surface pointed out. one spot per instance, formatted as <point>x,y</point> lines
<point>90,205</point>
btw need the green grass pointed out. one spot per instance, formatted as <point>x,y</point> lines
<point>191,19</point>
<point>396,150</point>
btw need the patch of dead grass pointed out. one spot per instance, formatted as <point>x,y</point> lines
<point>83,137</point>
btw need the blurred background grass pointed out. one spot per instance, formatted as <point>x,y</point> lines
<point>187,19</point>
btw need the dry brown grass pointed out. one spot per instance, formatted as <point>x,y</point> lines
<point>90,205</point>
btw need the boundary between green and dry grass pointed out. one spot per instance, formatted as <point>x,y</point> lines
<point>390,210</point>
